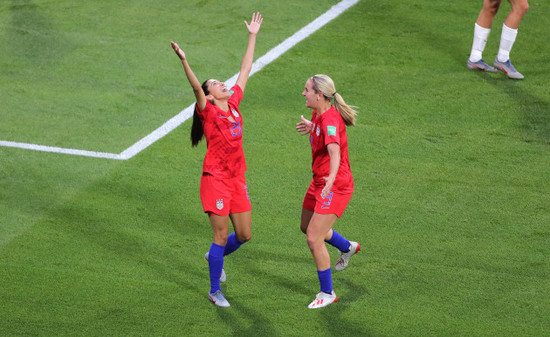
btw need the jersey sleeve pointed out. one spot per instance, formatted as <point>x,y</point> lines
<point>331,130</point>
<point>236,95</point>
<point>202,113</point>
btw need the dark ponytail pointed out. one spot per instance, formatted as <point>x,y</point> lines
<point>197,132</point>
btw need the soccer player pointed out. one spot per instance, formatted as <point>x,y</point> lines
<point>508,37</point>
<point>332,184</point>
<point>223,189</point>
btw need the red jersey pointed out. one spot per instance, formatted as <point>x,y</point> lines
<point>224,138</point>
<point>328,128</point>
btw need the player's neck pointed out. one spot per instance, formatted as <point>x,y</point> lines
<point>323,107</point>
<point>222,105</point>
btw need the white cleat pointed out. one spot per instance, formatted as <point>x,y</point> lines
<point>344,258</point>
<point>218,299</point>
<point>322,300</point>
<point>223,277</point>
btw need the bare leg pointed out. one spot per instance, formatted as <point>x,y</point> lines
<point>242,223</point>
<point>488,12</point>
<point>519,8</point>
<point>220,227</point>
<point>306,218</point>
<point>320,226</point>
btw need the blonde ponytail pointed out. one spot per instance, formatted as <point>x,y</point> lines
<point>325,85</point>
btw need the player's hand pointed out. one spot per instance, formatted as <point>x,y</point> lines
<point>304,126</point>
<point>255,23</point>
<point>178,51</point>
<point>328,186</point>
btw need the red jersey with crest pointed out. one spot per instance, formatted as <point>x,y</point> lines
<point>224,137</point>
<point>328,128</point>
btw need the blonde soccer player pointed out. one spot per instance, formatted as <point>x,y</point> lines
<point>331,187</point>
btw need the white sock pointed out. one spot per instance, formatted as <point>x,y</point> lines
<point>507,39</point>
<point>480,40</point>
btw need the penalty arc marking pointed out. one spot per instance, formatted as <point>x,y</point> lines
<point>186,113</point>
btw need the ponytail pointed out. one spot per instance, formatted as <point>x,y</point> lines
<point>197,132</point>
<point>347,112</point>
<point>325,85</point>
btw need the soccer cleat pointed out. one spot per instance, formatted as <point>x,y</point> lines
<point>322,300</point>
<point>344,258</point>
<point>223,277</point>
<point>480,65</point>
<point>218,299</point>
<point>508,69</point>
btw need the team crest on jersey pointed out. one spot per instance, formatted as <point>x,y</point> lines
<point>318,131</point>
<point>235,113</point>
<point>219,204</point>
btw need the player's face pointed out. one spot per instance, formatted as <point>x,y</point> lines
<point>218,89</point>
<point>312,98</point>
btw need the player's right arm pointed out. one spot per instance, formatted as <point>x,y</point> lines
<point>304,126</point>
<point>195,84</point>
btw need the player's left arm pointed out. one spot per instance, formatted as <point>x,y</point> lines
<point>246,65</point>
<point>334,155</point>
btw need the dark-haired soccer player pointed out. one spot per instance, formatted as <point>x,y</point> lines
<point>224,193</point>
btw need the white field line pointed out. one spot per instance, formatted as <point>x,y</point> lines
<point>60,150</point>
<point>186,113</point>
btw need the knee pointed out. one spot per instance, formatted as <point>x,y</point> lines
<point>313,242</point>
<point>521,8</point>
<point>244,237</point>
<point>220,238</point>
<point>491,7</point>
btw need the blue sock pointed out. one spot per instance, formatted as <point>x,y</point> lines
<point>215,266</point>
<point>325,279</point>
<point>232,244</point>
<point>339,242</point>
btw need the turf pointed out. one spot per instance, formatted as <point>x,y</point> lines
<point>452,198</point>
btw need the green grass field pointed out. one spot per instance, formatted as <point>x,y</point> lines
<point>451,168</point>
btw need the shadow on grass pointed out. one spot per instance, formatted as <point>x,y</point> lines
<point>335,317</point>
<point>534,117</point>
<point>32,36</point>
<point>261,326</point>
<point>534,110</point>
<point>295,287</point>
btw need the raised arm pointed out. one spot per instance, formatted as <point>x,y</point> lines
<point>246,65</point>
<point>195,84</point>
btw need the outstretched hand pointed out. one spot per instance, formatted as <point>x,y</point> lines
<point>255,23</point>
<point>304,126</point>
<point>178,51</point>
